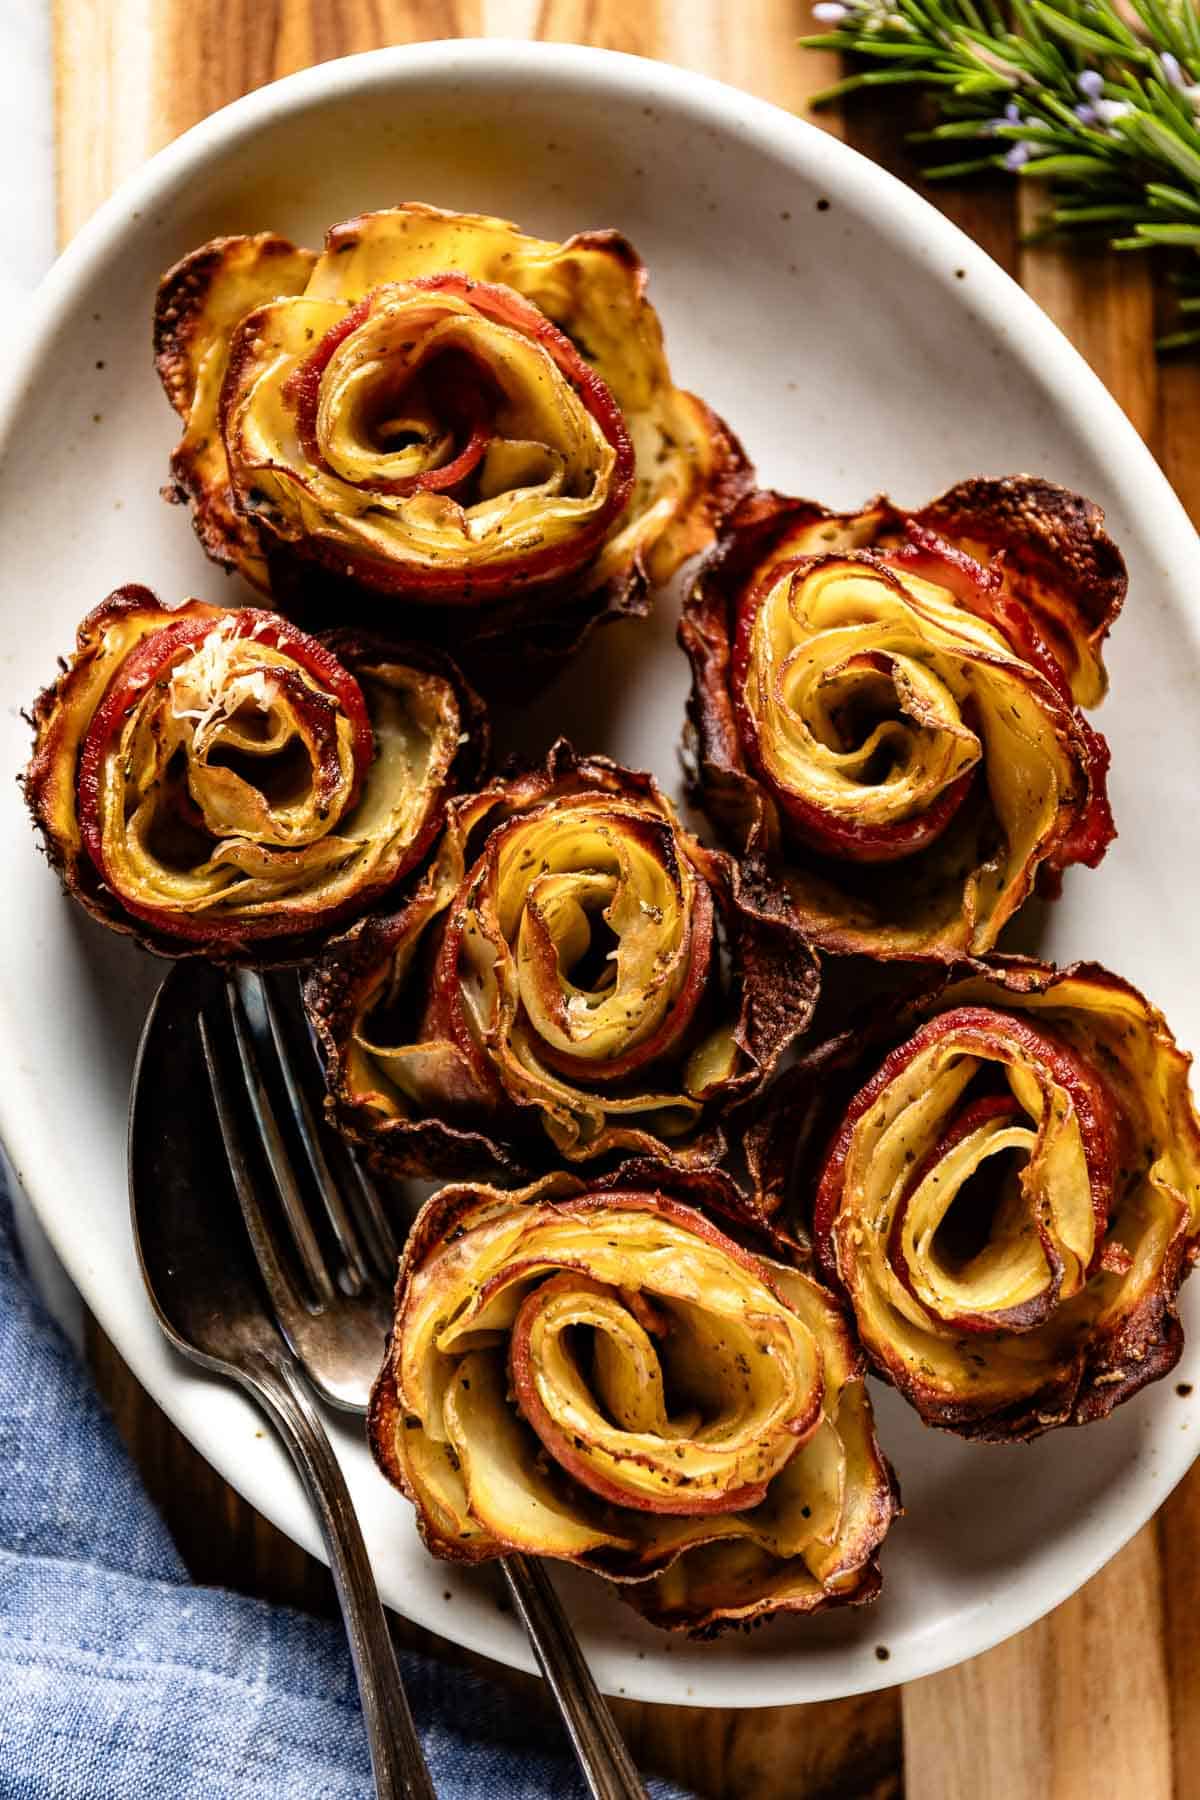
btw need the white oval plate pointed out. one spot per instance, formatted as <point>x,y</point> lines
<point>856,341</point>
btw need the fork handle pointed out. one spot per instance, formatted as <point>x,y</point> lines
<point>606,1764</point>
<point>397,1759</point>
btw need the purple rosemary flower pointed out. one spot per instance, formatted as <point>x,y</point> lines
<point>1095,110</point>
<point>1180,80</point>
<point>1173,70</point>
<point>1010,116</point>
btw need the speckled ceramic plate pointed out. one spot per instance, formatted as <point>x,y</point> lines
<point>856,341</point>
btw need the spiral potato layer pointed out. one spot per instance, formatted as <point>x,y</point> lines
<point>605,1377</point>
<point>868,692</point>
<point>576,975</point>
<point>220,779</point>
<point>440,410</point>
<point>1012,1199</point>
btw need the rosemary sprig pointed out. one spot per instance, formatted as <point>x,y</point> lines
<point>1099,98</point>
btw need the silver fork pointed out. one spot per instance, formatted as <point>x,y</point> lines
<point>336,1315</point>
<point>204,1285</point>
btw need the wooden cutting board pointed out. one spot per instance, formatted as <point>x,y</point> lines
<point>1101,1701</point>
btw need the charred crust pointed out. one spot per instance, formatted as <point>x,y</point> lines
<point>182,293</point>
<point>1044,530</point>
<point>510,647</point>
<point>364,650</point>
<point>1102,1377</point>
<point>226,536</point>
<point>180,326</point>
<point>717,1625</point>
<point>615,245</point>
<point>177,307</point>
<point>778,974</point>
<point>347,235</point>
<point>708,1189</point>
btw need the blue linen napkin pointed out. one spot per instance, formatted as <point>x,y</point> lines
<point>119,1680</point>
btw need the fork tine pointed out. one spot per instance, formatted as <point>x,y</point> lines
<point>291,1199</point>
<point>306,1091</point>
<point>286,1302</point>
<point>387,1250</point>
<point>253,987</point>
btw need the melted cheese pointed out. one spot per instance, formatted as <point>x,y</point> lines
<point>205,689</point>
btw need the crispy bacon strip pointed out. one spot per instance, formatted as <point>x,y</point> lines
<point>599,1374</point>
<point>869,690</point>
<point>1009,1200</point>
<point>575,975</point>
<point>218,782</point>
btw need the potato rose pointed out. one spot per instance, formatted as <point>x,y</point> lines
<point>601,1375</point>
<point>889,705</point>
<point>441,411</point>
<point>576,975</point>
<point>1011,1199</point>
<point>217,782</point>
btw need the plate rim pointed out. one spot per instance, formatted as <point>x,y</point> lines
<point>900,213</point>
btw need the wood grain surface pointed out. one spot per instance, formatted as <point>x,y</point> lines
<point>1102,1699</point>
